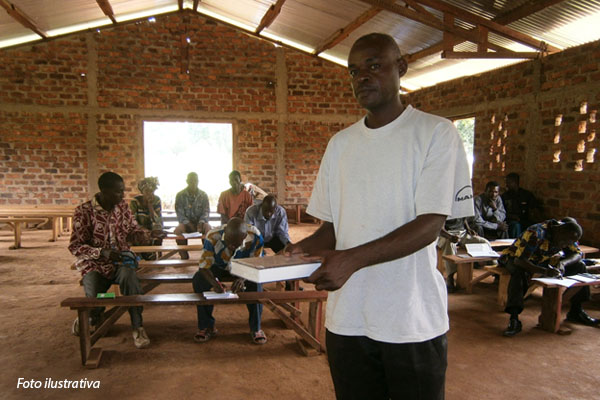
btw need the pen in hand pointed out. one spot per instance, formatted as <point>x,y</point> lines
<point>223,288</point>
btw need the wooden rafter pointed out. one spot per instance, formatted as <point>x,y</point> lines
<point>107,9</point>
<point>435,23</point>
<point>343,33</point>
<point>180,4</point>
<point>491,25</point>
<point>196,5</point>
<point>21,17</point>
<point>511,16</point>
<point>270,15</point>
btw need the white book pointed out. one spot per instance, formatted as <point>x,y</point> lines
<point>191,235</point>
<point>566,282</point>
<point>273,268</point>
<point>481,250</point>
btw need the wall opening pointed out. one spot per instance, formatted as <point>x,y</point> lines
<point>174,149</point>
<point>466,130</point>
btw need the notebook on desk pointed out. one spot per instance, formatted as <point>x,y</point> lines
<point>481,250</point>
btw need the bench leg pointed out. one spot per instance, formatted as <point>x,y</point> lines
<point>90,357</point>
<point>464,276</point>
<point>549,319</point>
<point>17,228</point>
<point>55,229</point>
<point>503,289</point>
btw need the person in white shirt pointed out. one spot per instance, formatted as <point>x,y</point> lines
<point>403,172</point>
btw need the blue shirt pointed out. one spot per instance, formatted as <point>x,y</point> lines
<point>277,225</point>
<point>216,253</point>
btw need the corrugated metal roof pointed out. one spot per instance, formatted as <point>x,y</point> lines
<point>309,23</point>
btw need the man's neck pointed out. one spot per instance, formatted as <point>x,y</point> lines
<point>385,114</point>
<point>104,204</point>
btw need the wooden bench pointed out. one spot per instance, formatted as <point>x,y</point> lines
<point>90,356</point>
<point>56,214</point>
<point>15,223</point>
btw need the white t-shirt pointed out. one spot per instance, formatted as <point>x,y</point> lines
<point>371,182</point>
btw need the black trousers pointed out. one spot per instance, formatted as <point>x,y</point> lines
<point>275,244</point>
<point>362,368</point>
<point>519,283</point>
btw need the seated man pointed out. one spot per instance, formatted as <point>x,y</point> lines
<point>456,232</point>
<point>520,205</point>
<point>234,240</point>
<point>192,209</point>
<point>102,228</point>
<point>549,248</point>
<point>489,213</point>
<point>235,201</point>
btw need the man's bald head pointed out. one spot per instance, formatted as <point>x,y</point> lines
<point>235,233</point>
<point>380,40</point>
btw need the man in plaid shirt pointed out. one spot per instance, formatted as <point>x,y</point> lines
<point>549,248</point>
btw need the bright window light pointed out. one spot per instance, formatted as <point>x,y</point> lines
<point>336,60</point>
<point>584,30</point>
<point>79,27</point>
<point>203,10</point>
<point>19,40</point>
<point>146,13</point>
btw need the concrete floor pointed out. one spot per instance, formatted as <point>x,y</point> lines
<point>35,343</point>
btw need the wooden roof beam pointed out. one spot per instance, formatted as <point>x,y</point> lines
<point>344,32</point>
<point>491,25</point>
<point>270,15</point>
<point>196,5</point>
<point>435,23</point>
<point>107,9</point>
<point>516,14</point>
<point>21,17</point>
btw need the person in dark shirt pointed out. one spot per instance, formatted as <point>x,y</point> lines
<point>521,206</point>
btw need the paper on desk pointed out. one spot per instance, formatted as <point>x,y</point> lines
<point>566,282</point>
<point>480,250</point>
<point>225,295</point>
<point>191,235</point>
<point>585,278</point>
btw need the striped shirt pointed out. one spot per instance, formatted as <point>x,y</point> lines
<point>216,253</point>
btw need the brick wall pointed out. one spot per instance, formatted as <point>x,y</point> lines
<point>524,115</point>
<point>74,108</point>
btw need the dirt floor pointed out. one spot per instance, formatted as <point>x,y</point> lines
<point>36,344</point>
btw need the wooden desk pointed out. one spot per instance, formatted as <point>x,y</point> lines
<point>16,225</point>
<point>167,250</point>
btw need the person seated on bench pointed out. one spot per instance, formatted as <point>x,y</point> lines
<point>521,206</point>
<point>456,232</point>
<point>234,240</point>
<point>147,210</point>
<point>102,228</point>
<point>489,213</point>
<point>235,201</point>
<point>549,248</point>
<point>271,220</point>
<point>192,209</point>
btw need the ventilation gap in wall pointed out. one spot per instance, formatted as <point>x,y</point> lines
<point>591,136</point>
<point>593,116</point>
<point>505,134</point>
<point>578,165</point>
<point>491,150</point>
<point>557,138</point>
<point>493,119</point>
<point>498,158</point>
<point>591,154</point>
<point>558,120</point>
<point>581,146</point>
<point>500,127</point>
<point>499,142</point>
<point>504,150</point>
<point>505,117</point>
<point>492,135</point>
<point>583,108</point>
<point>582,126</point>
<point>491,166</point>
<point>556,157</point>
<point>503,166</point>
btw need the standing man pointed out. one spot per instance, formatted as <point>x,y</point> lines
<point>191,206</point>
<point>384,189</point>
<point>235,201</point>
<point>490,213</point>
<point>520,205</point>
<point>234,240</point>
<point>102,228</point>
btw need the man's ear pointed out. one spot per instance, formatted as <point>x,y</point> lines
<point>402,66</point>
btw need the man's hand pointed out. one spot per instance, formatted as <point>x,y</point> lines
<point>492,204</point>
<point>454,238</point>
<point>110,254</point>
<point>158,234</point>
<point>336,268</point>
<point>239,285</point>
<point>292,248</point>
<point>502,226</point>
